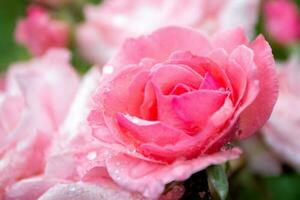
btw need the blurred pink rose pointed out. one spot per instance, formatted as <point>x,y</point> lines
<point>282,130</point>
<point>168,103</point>
<point>38,32</point>
<point>33,105</point>
<point>282,19</point>
<point>75,168</point>
<point>108,24</point>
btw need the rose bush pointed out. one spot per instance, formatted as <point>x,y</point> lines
<point>109,23</point>
<point>282,15</point>
<point>282,130</point>
<point>33,104</point>
<point>170,101</point>
<point>39,32</point>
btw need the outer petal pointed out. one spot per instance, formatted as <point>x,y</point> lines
<point>30,189</point>
<point>76,151</point>
<point>150,178</point>
<point>202,65</point>
<point>26,159</point>
<point>83,191</point>
<point>160,44</point>
<point>75,122</point>
<point>116,95</point>
<point>48,85</point>
<point>256,115</point>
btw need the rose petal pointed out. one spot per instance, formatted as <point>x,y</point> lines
<point>30,189</point>
<point>256,115</point>
<point>143,131</point>
<point>83,191</point>
<point>209,83</point>
<point>198,106</point>
<point>241,71</point>
<point>166,76</point>
<point>116,96</point>
<point>150,178</point>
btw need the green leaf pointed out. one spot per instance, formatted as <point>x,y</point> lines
<point>286,186</point>
<point>10,11</point>
<point>217,177</point>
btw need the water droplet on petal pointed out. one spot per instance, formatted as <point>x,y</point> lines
<point>222,89</point>
<point>92,155</point>
<point>72,188</point>
<point>108,69</point>
<point>227,147</point>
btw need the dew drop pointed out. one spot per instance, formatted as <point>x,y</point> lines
<point>108,69</point>
<point>119,20</point>
<point>227,147</point>
<point>72,188</point>
<point>221,89</point>
<point>92,155</point>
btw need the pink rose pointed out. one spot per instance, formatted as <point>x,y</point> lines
<point>108,24</point>
<point>169,102</point>
<point>39,32</point>
<point>33,105</point>
<point>282,130</point>
<point>282,19</point>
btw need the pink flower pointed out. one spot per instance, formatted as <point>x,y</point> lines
<point>108,24</point>
<point>169,102</point>
<point>75,168</point>
<point>282,20</point>
<point>33,105</point>
<point>38,32</point>
<point>282,130</point>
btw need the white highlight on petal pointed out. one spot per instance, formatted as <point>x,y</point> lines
<point>108,69</point>
<point>92,155</point>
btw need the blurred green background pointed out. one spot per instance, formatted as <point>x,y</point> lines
<point>12,10</point>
